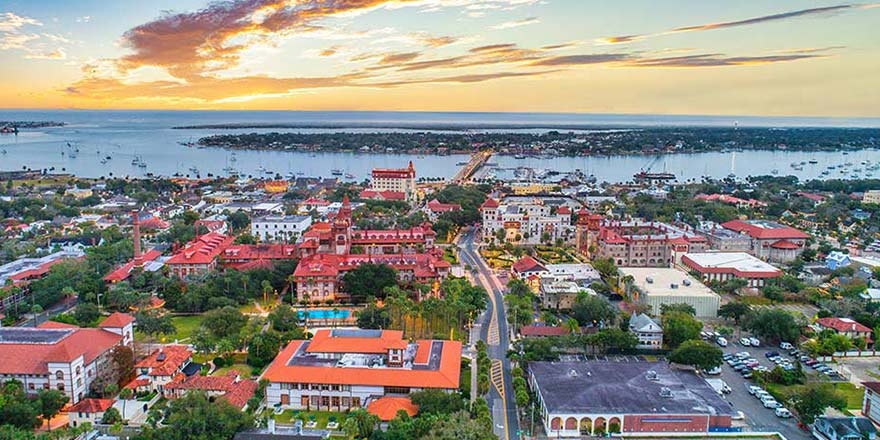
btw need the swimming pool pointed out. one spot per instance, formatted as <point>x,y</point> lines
<point>324,314</point>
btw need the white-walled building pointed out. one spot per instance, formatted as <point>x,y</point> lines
<point>285,228</point>
<point>526,220</point>
<point>657,286</point>
<point>61,356</point>
<point>723,266</point>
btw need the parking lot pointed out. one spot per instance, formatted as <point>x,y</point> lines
<point>757,417</point>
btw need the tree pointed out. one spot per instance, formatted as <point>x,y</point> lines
<point>224,322</point>
<point>734,310</point>
<point>433,401</point>
<point>679,327</point>
<point>152,324</point>
<point>678,307</point>
<point>590,310</point>
<point>194,416</point>
<point>49,403</point>
<point>812,400</point>
<point>461,426</point>
<point>15,408</point>
<point>360,424</point>
<point>238,220</point>
<point>773,293</point>
<point>87,313</point>
<point>284,319</point>
<point>697,353</point>
<point>774,324</point>
<point>572,326</point>
<point>373,317</point>
<point>36,309</point>
<point>262,349</point>
<point>125,395</point>
<point>369,280</point>
<point>111,416</point>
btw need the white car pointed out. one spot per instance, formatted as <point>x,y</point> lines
<point>714,371</point>
<point>745,342</point>
<point>721,341</point>
<point>786,346</point>
<point>753,388</point>
<point>760,394</point>
<point>739,415</point>
<point>755,342</point>
<point>772,403</point>
<point>783,413</point>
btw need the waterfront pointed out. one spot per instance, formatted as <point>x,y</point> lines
<point>139,144</point>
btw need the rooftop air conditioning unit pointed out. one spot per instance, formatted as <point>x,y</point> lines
<point>686,282</point>
<point>673,286</point>
<point>651,375</point>
<point>665,392</point>
<point>649,280</point>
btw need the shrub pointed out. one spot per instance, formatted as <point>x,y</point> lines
<point>219,362</point>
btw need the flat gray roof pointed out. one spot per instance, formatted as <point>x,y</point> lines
<point>606,387</point>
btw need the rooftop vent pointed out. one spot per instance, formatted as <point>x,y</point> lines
<point>651,375</point>
<point>160,357</point>
<point>649,280</point>
<point>665,392</point>
<point>572,373</point>
<point>673,286</point>
<point>686,282</point>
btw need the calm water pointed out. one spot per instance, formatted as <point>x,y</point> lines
<point>147,135</point>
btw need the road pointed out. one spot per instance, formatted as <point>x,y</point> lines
<point>502,402</point>
<point>60,307</point>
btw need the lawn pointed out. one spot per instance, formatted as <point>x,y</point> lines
<point>185,325</point>
<point>853,394</point>
<point>322,417</point>
<point>555,255</point>
<point>251,308</point>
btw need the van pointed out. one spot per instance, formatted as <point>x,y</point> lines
<point>783,413</point>
<point>721,341</point>
<point>786,346</point>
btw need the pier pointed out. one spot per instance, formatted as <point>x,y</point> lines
<point>476,161</point>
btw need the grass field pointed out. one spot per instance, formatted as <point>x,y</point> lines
<point>321,417</point>
<point>853,394</point>
<point>186,326</point>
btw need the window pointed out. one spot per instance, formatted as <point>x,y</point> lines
<point>78,371</point>
<point>61,387</point>
<point>30,386</point>
<point>59,375</point>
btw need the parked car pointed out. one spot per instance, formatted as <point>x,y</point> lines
<point>783,413</point>
<point>752,389</point>
<point>761,393</point>
<point>772,403</point>
<point>755,342</point>
<point>746,374</point>
<point>714,371</point>
<point>786,346</point>
<point>744,342</point>
<point>739,415</point>
<point>771,354</point>
<point>721,341</point>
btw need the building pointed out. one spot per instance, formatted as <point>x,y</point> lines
<point>844,428</point>
<point>150,261</point>
<point>542,331</point>
<point>635,243</point>
<point>25,269</point>
<point>62,356</point>
<point>254,256</point>
<point>836,260</point>
<point>846,327</point>
<point>656,287</point>
<point>383,196</point>
<point>394,241</point>
<point>770,240</point>
<point>871,401</point>
<point>231,387</point>
<point>724,240</point>
<point>596,397</point>
<point>319,276</point>
<point>163,365</point>
<point>338,370</point>
<point>525,220</point>
<point>276,186</point>
<point>559,294</point>
<point>399,180</point>
<point>283,228</point>
<point>434,209</point>
<point>648,332</point>
<point>200,256</point>
<point>872,197</point>
<point>723,266</point>
<point>526,267</point>
<point>88,410</point>
<point>731,200</point>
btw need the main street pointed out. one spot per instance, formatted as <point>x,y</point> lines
<point>501,398</point>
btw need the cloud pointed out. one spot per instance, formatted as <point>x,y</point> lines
<point>84,19</point>
<point>717,60</point>
<point>516,23</point>
<point>56,38</point>
<point>16,40</point>
<point>397,58</point>
<point>330,51</point>
<point>819,12</point>
<point>57,54</point>
<point>9,22</point>
<point>580,60</point>
<point>434,41</point>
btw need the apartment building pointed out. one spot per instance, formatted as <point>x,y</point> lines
<point>280,228</point>
<point>525,220</point>
<point>399,180</point>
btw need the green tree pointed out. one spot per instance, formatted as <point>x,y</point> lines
<point>735,310</point>
<point>678,307</point>
<point>152,324</point>
<point>773,293</point>
<point>591,310</point>
<point>111,416</point>
<point>775,325</point>
<point>194,416</point>
<point>373,317</point>
<point>433,401</point>
<point>262,349</point>
<point>679,327</point>
<point>238,220</point>
<point>50,403</point>
<point>698,354</point>
<point>87,313</point>
<point>284,319</point>
<point>369,280</point>
<point>224,322</point>
<point>360,424</point>
<point>811,401</point>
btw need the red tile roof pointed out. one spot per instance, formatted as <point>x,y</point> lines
<point>394,173</point>
<point>843,325</point>
<point>91,406</point>
<point>235,390</point>
<point>436,206</point>
<point>756,231</point>
<point>446,376</point>
<point>382,195</point>
<point>489,203</point>
<point>784,244</point>
<point>176,356</point>
<point>565,210</point>
<point>325,342</point>
<point>248,252</point>
<point>124,271</point>
<point>325,265</point>
<point>137,383</point>
<point>116,320</point>
<point>202,250</point>
<point>20,358</point>
<point>526,264</point>
<point>55,324</point>
<point>386,408</point>
<point>312,201</point>
<point>154,223</point>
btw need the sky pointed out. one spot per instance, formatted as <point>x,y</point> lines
<point>707,57</point>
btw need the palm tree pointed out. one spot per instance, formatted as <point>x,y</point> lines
<point>36,309</point>
<point>572,326</point>
<point>125,394</point>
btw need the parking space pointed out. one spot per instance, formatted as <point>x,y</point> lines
<point>757,417</point>
<point>610,357</point>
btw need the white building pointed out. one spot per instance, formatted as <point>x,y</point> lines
<point>872,196</point>
<point>658,286</point>
<point>525,220</point>
<point>723,266</point>
<point>338,370</point>
<point>284,228</point>
<point>399,180</point>
<point>648,332</point>
<point>61,356</point>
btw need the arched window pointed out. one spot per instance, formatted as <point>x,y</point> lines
<point>78,370</point>
<point>61,386</point>
<point>59,375</point>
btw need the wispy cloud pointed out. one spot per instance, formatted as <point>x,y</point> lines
<point>717,60</point>
<point>516,23</point>
<point>57,54</point>
<point>581,60</point>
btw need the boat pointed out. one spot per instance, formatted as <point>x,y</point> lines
<point>103,161</point>
<point>774,171</point>
<point>233,158</point>
<point>108,158</point>
<point>814,161</point>
<point>349,176</point>
<point>825,173</point>
<point>194,170</point>
<point>799,168</point>
<point>460,164</point>
<point>519,156</point>
<point>336,172</point>
<point>230,170</point>
<point>142,165</point>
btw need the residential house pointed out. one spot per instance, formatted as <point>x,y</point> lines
<point>648,332</point>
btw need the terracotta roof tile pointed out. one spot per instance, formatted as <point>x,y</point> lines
<point>386,408</point>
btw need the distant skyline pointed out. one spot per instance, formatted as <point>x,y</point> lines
<point>781,58</point>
